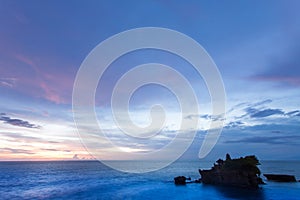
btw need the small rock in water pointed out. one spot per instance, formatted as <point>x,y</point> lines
<point>180,180</point>
<point>280,177</point>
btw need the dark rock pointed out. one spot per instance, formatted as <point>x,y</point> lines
<point>280,177</point>
<point>180,180</point>
<point>260,181</point>
<point>241,172</point>
<point>198,180</point>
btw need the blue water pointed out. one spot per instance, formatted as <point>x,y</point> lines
<point>93,180</point>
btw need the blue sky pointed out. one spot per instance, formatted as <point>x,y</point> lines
<point>255,45</point>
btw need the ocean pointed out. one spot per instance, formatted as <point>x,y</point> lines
<point>93,180</point>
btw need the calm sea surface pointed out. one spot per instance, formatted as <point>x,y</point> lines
<point>93,180</point>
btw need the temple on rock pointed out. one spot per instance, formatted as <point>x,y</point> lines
<point>241,172</point>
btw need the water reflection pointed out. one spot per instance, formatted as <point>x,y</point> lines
<point>239,193</point>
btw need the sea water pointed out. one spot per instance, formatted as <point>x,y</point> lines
<point>93,180</point>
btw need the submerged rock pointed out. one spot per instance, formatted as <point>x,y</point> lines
<point>280,177</point>
<point>241,172</point>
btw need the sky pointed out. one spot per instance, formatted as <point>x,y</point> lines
<point>255,45</point>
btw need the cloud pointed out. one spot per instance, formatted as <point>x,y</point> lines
<point>16,151</point>
<point>8,82</point>
<point>20,137</point>
<point>38,78</point>
<point>294,113</point>
<point>266,113</point>
<point>50,149</point>
<point>51,93</point>
<point>17,122</point>
<point>283,139</point>
<point>244,116</point>
<point>234,124</point>
<point>249,107</point>
<point>205,116</point>
<point>260,103</point>
<point>192,116</point>
<point>258,110</point>
<point>44,81</point>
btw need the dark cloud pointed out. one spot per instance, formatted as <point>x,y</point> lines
<point>17,122</point>
<point>258,110</point>
<point>266,113</point>
<point>75,157</point>
<point>46,149</point>
<point>16,151</point>
<point>53,142</point>
<point>260,113</point>
<point>283,139</point>
<point>50,149</point>
<point>251,111</point>
<point>249,105</point>
<point>234,124</point>
<point>294,113</point>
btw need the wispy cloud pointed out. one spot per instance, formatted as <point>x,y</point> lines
<point>246,115</point>
<point>17,122</point>
<point>294,113</point>
<point>234,124</point>
<point>51,149</point>
<point>8,82</point>
<point>37,78</point>
<point>16,151</point>
<point>266,113</point>
<point>53,86</point>
<point>18,136</point>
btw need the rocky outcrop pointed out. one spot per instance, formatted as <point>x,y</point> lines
<point>241,172</point>
<point>280,177</point>
<point>181,180</point>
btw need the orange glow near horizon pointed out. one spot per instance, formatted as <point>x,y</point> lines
<point>51,142</point>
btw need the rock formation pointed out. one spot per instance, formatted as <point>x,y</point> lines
<point>180,180</point>
<point>241,172</point>
<point>280,177</point>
